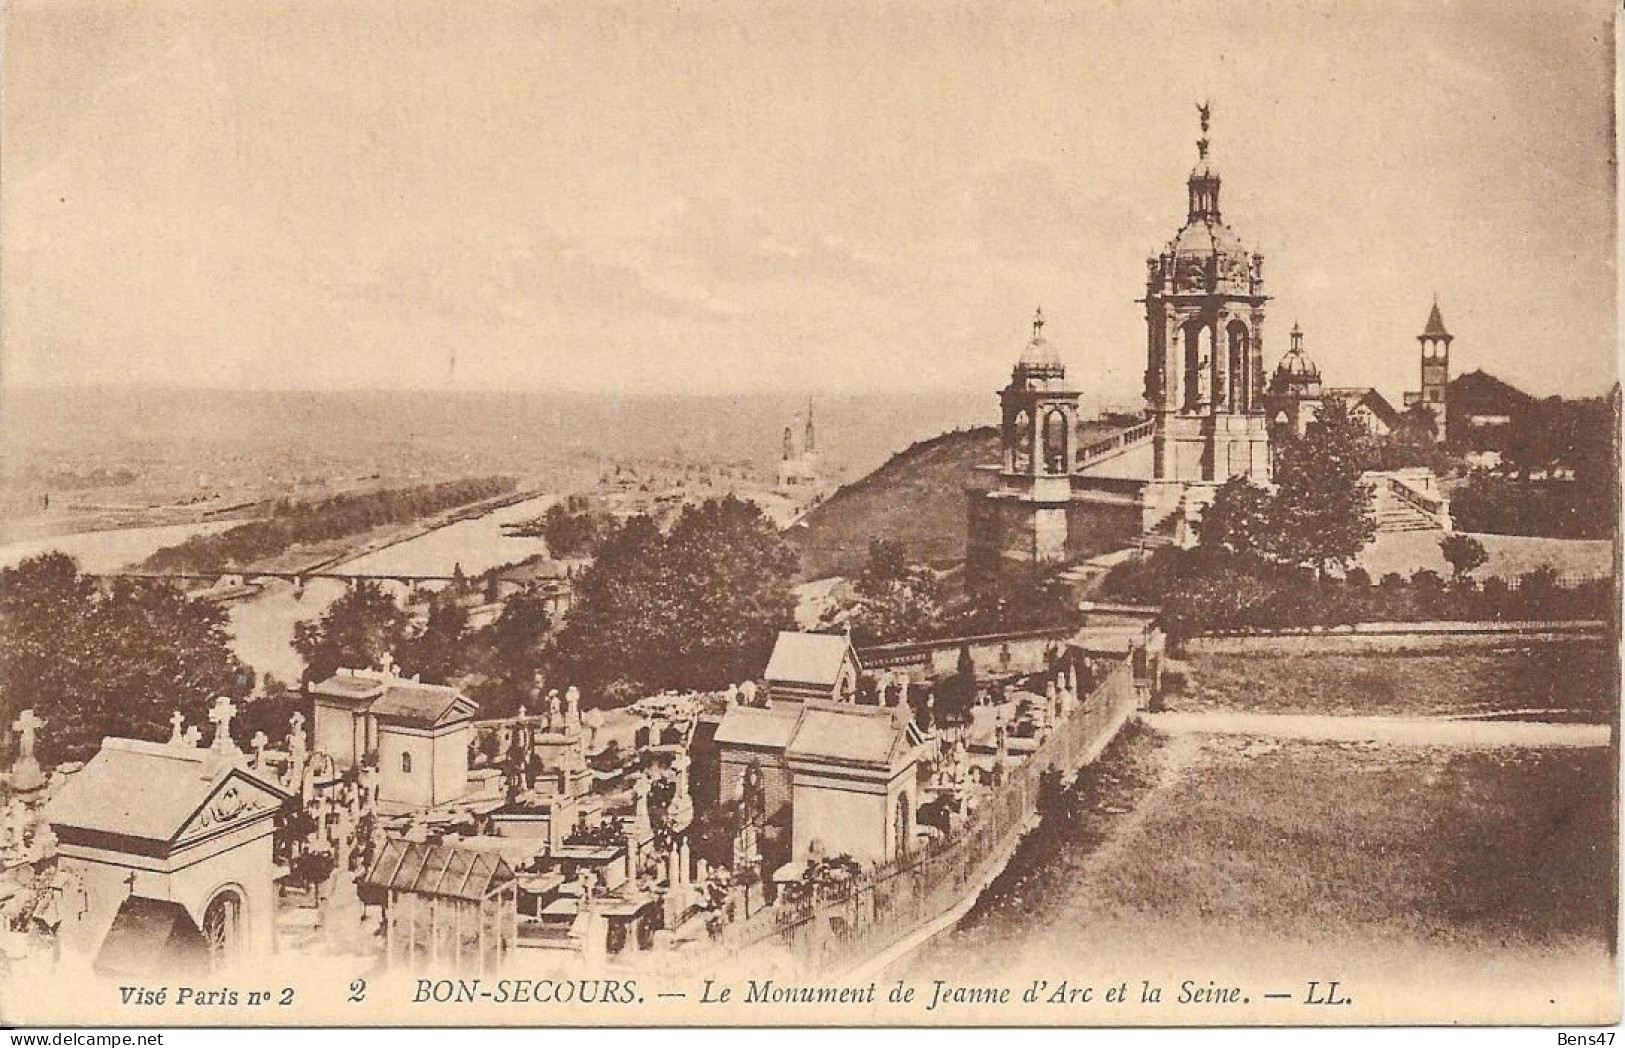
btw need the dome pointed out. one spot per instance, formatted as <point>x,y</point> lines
<point>1205,237</point>
<point>1296,364</point>
<point>1296,370</point>
<point>1038,353</point>
<point>1038,358</point>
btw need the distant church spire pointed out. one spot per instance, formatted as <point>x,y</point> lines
<point>811,443</point>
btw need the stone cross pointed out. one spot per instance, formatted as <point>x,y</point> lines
<point>192,736</point>
<point>387,665</point>
<point>296,734</point>
<point>221,713</point>
<point>572,707</point>
<point>259,742</point>
<point>521,712</point>
<point>177,721</point>
<point>26,725</point>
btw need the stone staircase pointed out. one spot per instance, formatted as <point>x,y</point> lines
<point>1394,515</point>
<point>1399,506</point>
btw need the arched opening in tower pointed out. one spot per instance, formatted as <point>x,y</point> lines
<point>1055,449</point>
<point>1193,363</point>
<point>1239,384</point>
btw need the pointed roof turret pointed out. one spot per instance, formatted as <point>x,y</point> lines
<point>1435,326</point>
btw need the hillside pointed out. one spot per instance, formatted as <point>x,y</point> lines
<point>917,497</point>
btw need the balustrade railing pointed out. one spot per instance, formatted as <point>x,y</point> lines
<point>1105,446</point>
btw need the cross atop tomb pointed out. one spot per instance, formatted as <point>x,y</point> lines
<point>221,713</point>
<point>26,725</point>
<point>177,722</point>
<point>387,665</point>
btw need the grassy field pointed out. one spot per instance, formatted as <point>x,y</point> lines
<point>1577,677</point>
<point>1244,860</point>
<point>1509,556</point>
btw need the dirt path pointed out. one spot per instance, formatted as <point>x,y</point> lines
<point>1412,731</point>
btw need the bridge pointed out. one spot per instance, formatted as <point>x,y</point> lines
<point>298,577</point>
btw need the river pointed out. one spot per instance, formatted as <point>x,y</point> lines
<point>262,625</point>
<point>475,545</point>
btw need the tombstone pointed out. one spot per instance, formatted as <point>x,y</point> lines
<point>25,773</point>
<point>193,737</point>
<point>640,798</point>
<point>572,708</point>
<point>674,873</point>
<point>259,742</point>
<point>297,753</point>
<point>593,720</point>
<point>681,812</point>
<point>387,665</point>
<point>747,693</point>
<point>553,714</point>
<point>177,722</point>
<point>731,695</point>
<point>682,858</point>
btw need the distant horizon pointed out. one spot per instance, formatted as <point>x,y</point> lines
<point>639,393</point>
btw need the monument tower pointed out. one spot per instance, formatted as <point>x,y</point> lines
<point>1204,380</point>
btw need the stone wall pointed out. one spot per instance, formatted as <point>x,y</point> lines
<point>1373,637</point>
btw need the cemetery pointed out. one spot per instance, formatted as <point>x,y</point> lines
<point>399,828</point>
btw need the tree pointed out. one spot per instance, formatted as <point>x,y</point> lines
<point>1321,511</point>
<point>1239,520</point>
<point>511,652</point>
<point>894,602</point>
<point>437,652</point>
<point>94,664</point>
<point>356,631</point>
<point>1463,552</point>
<point>695,608</point>
<point>956,694</point>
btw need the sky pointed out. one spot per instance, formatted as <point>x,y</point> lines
<point>786,196</point>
